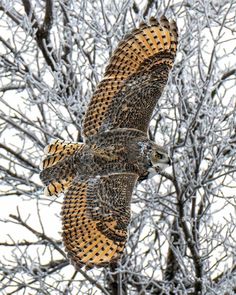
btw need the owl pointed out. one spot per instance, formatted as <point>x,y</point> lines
<point>97,176</point>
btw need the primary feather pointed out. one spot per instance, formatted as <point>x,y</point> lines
<point>134,79</point>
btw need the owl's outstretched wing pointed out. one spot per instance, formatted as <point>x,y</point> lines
<point>96,209</point>
<point>134,79</point>
<point>95,216</point>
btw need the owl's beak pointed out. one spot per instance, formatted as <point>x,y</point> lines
<point>169,162</point>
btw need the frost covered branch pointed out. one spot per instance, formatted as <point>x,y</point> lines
<point>182,232</point>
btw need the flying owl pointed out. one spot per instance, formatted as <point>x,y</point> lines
<point>97,176</point>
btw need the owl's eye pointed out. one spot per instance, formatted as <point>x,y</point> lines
<point>159,156</point>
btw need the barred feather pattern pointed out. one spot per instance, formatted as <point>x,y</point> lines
<point>97,177</point>
<point>57,170</point>
<point>94,224</point>
<point>134,79</point>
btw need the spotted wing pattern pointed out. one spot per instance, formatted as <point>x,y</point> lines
<point>95,215</point>
<point>134,79</point>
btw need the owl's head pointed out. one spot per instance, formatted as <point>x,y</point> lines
<point>159,158</point>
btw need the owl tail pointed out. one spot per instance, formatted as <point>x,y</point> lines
<point>57,169</point>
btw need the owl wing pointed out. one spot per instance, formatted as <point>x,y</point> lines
<point>134,79</point>
<point>95,215</point>
<point>96,209</point>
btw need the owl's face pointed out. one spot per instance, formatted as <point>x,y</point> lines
<point>160,158</point>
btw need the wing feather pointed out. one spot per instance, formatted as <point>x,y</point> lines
<point>137,72</point>
<point>95,217</point>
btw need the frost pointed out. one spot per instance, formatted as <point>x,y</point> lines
<point>182,224</point>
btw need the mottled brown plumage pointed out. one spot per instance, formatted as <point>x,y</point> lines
<point>98,176</point>
<point>134,79</point>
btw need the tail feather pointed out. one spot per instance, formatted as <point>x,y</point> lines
<point>57,145</point>
<point>57,169</point>
<point>57,151</point>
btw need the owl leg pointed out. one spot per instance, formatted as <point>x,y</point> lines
<point>57,168</point>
